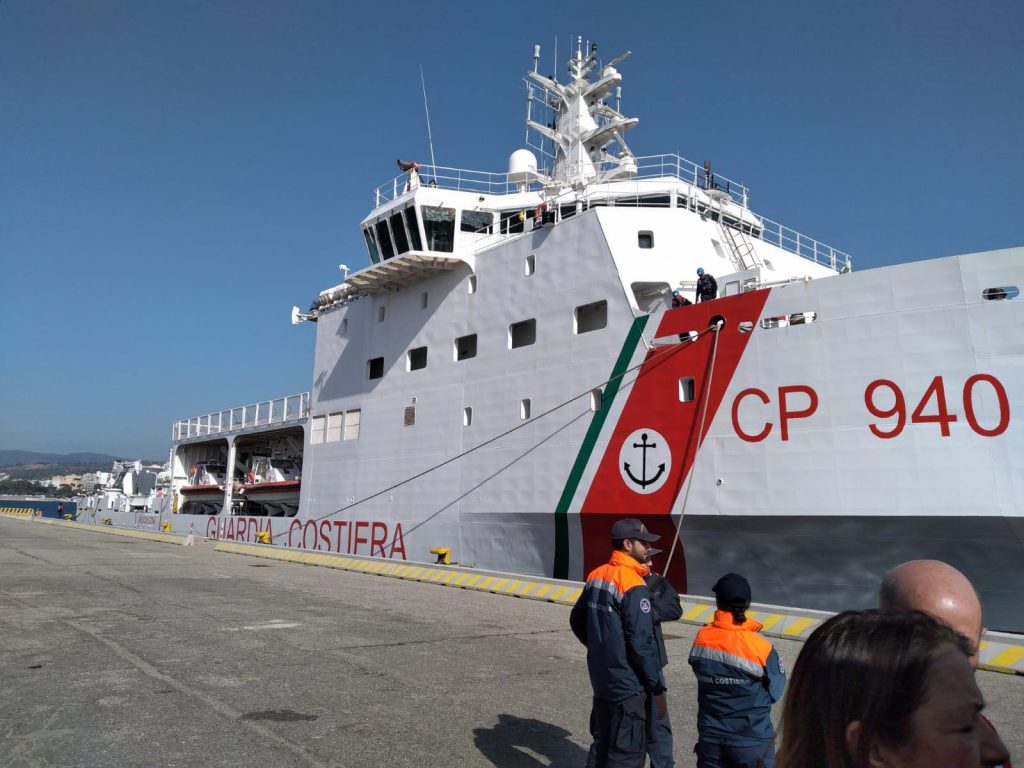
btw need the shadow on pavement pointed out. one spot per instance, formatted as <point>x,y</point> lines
<point>514,741</point>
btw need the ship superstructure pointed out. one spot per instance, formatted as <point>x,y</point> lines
<point>509,375</point>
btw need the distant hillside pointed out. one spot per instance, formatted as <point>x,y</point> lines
<point>16,458</point>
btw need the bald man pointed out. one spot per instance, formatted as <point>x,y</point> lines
<point>941,591</point>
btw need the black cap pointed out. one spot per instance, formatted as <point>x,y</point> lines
<point>631,528</point>
<point>732,589</point>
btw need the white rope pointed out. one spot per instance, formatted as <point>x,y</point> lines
<point>700,438</point>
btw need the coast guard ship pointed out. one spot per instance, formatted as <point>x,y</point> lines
<point>512,373</point>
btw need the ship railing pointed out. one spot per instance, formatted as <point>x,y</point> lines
<point>650,168</point>
<point>281,410</point>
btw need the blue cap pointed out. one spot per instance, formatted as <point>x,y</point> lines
<point>700,270</point>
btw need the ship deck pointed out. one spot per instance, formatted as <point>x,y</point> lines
<point>197,655</point>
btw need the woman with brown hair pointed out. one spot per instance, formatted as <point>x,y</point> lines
<point>875,689</point>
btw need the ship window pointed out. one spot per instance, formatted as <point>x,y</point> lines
<point>439,226</point>
<point>465,347</point>
<point>371,245</point>
<point>567,210</point>
<point>802,318</point>
<point>686,389</point>
<point>471,285</point>
<point>423,300</point>
<point>514,222</point>
<point>316,435</point>
<point>525,407</point>
<point>467,416</point>
<point>745,327</point>
<point>596,399</point>
<point>645,239</point>
<point>522,334</point>
<point>1000,294</point>
<point>398,230</point>
<point>344,326</point>
<point>334,427</point>
<point>384,239</point>
<point>414,228</point>
<point>531,265</point>
<point>590,317</point>
<point>375,368</point>
<point>417,359</point>
<point>409,416</point>
<point>351,425</point>
<point>732,288</point>
<point>381,311</point>
<point>479,222</point>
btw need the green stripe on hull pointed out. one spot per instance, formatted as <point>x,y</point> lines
<point>561,566</point>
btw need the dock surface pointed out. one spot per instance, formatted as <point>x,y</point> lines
<point>127,652</point>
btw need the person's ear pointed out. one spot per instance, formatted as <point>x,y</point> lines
<point>871,755</point>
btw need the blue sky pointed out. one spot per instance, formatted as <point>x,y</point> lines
<point>175,175</point>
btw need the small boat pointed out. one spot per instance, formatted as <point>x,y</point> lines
<point>273,483</point>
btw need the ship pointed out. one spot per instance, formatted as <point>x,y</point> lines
<point>526,359</point>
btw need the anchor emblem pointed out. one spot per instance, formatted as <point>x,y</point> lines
<point>654,458</point>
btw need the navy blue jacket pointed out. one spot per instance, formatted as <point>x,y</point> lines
<point>613,619</point>
<point>739,677</point>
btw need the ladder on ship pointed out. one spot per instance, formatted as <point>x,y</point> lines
<point>741,249</point>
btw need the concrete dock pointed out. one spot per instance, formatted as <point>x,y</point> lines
<point>127,652</point>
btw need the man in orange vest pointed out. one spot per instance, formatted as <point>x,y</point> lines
<point>613,619</point>
<point>739,677</point>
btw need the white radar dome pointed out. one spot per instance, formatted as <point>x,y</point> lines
<point>522,167</point>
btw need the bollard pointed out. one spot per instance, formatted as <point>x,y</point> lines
<point>263,537</point>
<point>443,555</point>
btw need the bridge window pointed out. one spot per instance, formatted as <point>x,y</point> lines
<point>531,265</point>
<point>414,228</point>
<point>417,359</point>
<point>465,347</point>
<point>371,245</point>
<point>423,300</point>
<point>467,416</point>
<point>478,222</point>
<point>409,416</point>
<point>398,229</point>
<point>316,434</point>
<point>384,239</point>
<point>590,317</point>
<point>514,222</point>
<point>596,399</point>
<point>471,285</point>
<point>375,368</point>
<point>351,425</point>
<point>522,334</point>
<point>439,226</point>
<point>645,239</point>
<point>381,312</point>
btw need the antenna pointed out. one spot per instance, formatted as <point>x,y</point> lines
<point>430,138</point>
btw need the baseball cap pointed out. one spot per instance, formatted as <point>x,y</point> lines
<point>631,528</point>
<point>732,589</point>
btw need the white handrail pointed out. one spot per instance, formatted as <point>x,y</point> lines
<point>266,412</point>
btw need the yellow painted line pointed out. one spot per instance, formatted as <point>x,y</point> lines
<point>798,626</point>
<point>528,587</point>
<point>473,581</point>
<point>696,612</point>
<point>771,620</point>
<point>1007,658</point>
<point>544,589</point>
<point>461,578</point>
<point>450,577</point>
<point>499,585</point>
<point>486,583</point>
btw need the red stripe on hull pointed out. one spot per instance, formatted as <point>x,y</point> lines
<point>653,404</point>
